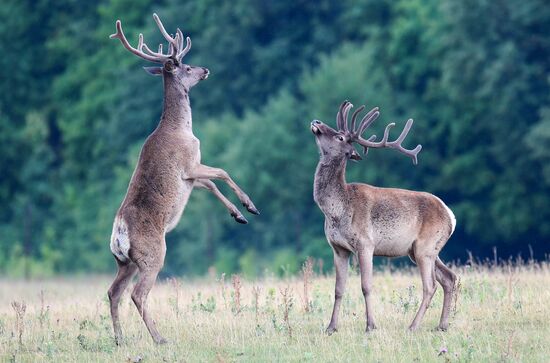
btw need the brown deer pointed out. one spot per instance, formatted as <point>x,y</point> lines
<point>168,169</point>
<point>371,221</point>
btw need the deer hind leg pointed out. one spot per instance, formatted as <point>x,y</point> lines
<point>426,265</point>
<point>208,172</point>
<point>125,273</point>
<point>149,267</point>
<point>209,185</point>
<point>341,263</point>
<point>447,279</point>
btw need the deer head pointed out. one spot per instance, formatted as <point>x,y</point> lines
<point>339,143</point>
<point>172,66</point>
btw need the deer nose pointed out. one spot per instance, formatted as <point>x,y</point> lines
<point>315,122</point>
<point>206,73</point>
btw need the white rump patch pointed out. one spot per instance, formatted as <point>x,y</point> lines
<point>451,215</point>
<point>120,241</point>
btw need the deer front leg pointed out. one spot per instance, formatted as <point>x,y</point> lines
<point>209,185</point>
<point>365,256</point>
<point>207,172</point>
<point>341,262</point>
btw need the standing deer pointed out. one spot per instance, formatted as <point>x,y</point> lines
<point>371,221</point>
<point>168,169</point>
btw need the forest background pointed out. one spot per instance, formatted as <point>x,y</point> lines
<point>75,108</point>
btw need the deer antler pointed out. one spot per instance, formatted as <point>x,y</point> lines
<point>366,121</point>
<point>176,42</point>
<point>176,51</point>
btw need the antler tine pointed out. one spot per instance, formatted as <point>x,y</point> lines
<point>397,143</point>
<point>367,120</point>
<point>339,118</point>
<point>354,117</point>
<point>158,54</point>
<point>186,49</point>
<point>163,31</point>
<point>120,35</point>
<point>140,42</point>
<point>339,114</point>
<point>404,133</point>
<point>384,141</point>
<point>180,39</point>
<point>176,46</point>
<point>345,116</point>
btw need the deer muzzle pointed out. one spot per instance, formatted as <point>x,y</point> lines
<point>206,73</point>
<point>315,127</point>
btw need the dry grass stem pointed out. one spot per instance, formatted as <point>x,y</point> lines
<point>20,308</point>
<point>307,275</point>
<point>237,285</point>
<point>256,291</point>
<point>223,289</point>
<point>288,302</point>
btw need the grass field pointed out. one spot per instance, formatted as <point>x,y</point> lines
<point>502,314</point>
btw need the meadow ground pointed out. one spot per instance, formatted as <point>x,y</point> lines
<point>502,314</point>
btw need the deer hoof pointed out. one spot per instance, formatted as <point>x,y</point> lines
<point>160,340</point>
<point>370,328</point>
<point>240,219</point>
<point>330,330</point>
<point>251,209</point>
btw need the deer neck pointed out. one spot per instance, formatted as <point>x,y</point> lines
<point>329,187</point>
<point>176,113</point>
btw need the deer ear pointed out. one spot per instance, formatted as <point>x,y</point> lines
<point>355,156</point>
<point>155,71</point>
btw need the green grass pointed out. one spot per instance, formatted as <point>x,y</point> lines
<point>502,314</point>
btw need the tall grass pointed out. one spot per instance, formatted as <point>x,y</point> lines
<point>501,314</point>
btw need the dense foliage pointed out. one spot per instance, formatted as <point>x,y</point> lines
<point>75,108</point>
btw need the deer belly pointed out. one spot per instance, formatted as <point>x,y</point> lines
<point>393,243</point>
<point>180,202</point>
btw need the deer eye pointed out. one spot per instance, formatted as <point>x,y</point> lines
<point>188,69</point>
<point>341,138</point>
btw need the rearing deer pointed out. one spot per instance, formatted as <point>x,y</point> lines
<point>371,221</point>
<point>168,169</point>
